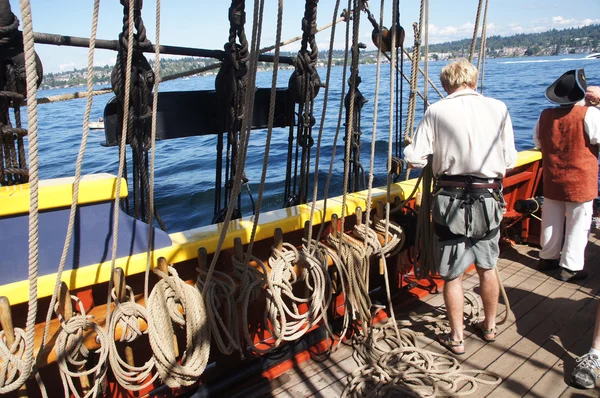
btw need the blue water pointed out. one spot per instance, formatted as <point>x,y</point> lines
<point>185,167</point>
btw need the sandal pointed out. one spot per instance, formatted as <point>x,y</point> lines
<point>451,345</point>
<point>484,333</point>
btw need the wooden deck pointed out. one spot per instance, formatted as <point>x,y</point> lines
<point>552,323</point>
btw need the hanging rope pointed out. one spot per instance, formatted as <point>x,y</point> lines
<point>282,309</point>
<point>152,152</point>
<point>138,129</point>
<point>482,49</point>
<point>310,246</point>
<point>72,354</point>
<point>127,315</point>
<point>27,363</point>
<point>355,257</point>
<point>78,167</point>
<point>219,299</point>
<point>230,85</point>
<point>304,85</point>
<point>475,31</point>
<point>414,76</point>
<point>163,310</point>
<point>356,172</point>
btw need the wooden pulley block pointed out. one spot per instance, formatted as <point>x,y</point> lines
<point>386,40</point>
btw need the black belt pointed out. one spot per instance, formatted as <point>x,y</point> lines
<point>467,182</point>
<point>466,185</point>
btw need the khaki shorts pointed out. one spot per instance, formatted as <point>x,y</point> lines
<point>454,256</point>
<point>462,244</point>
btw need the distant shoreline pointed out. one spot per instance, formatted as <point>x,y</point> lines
<point>365,60</point>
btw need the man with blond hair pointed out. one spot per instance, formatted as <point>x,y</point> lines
<point>471,139</point>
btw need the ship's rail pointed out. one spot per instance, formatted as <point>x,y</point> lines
<point>185,244</point>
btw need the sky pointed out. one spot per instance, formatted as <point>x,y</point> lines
<point>204,24</point>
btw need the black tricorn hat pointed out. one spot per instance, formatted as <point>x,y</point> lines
<point>568,89</point>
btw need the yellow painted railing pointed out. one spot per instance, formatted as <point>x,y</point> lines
<point>185,244</point>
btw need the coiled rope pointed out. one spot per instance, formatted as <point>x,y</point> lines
<point>163,310</point>
<point>354,256</point>
<point>219,298</point>
<point>12,359</point>
<point>72,354</point>
<point>397,366</point>
<point>127,315</point>
<point>282,309</point>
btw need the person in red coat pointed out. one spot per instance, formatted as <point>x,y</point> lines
<point>568,136</point>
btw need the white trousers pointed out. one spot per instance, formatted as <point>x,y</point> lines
<point>576,230</point>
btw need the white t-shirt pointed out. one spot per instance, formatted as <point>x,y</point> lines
<point>467,134</point>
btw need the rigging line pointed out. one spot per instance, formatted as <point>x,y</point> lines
<point>78,167</point>
<point>339,123</point>
<point>398,124</point>
<point>246,126</point>
<point>153,150</point>
<point>270,123</point>
<point>320,135</point>
<point>350,119</point>
<point>116,207</point>
<point>375,114</point>
<point>395,25</point>
<point>414,77</point>
<point>32,78</point>
<point>426,60</point>
<point>482,49</point>
<point>475,30</point>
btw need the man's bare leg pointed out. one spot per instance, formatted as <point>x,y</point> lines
<point>454,300</point>
<point>490,291</point>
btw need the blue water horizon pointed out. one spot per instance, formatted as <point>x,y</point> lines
<point>185,167</point>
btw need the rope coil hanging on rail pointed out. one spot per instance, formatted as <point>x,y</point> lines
<point>127,315</point>
<point>163,310</point>
<point>72,355</point>
<point>219,299</point>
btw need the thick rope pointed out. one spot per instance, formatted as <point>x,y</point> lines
<point>397,366</point>
<point>475,30</point>
<point>163,310</point>
<point>244,135</point>
<point>350,116</point>
<point>219,298</point>
<point>126,316</point>
<point>355,257</point>
<point>72,354</point>
<point>157,81</point>
<point>287,323</point>
<point>27,363</point>
<point>313,205</point>
<point>270,123</point>
<point>482,49</point>
<point>12,359</point>
<point>122,149</point>
<point>339,121</point>
<point>414,77</point>
<point>78,167</point>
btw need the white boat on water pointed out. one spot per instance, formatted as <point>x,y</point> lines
<point>593,56</point>
<point>99,125</point>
